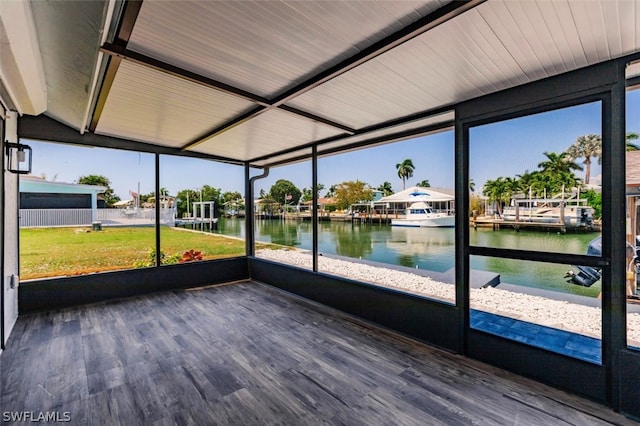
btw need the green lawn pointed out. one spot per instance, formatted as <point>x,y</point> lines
<point>48,252</point>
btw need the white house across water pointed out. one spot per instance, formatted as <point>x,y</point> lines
<point>440,201</point>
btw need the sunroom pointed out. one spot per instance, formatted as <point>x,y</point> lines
<point>249,94</point>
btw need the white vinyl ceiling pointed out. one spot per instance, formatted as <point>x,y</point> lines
<point>255,80</point>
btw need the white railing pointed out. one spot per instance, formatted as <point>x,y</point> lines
<point>33,218</point>
<point>119,215</point>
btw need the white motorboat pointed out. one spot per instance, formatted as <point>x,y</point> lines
<point>420,215</point>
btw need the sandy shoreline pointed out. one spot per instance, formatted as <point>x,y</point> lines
<point>558,314</point>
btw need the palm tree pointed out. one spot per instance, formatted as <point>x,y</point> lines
<point>472,185</point>
<point>500,191</point>
<point>405,170</point>
<point>511,187</point>
<point>586,146</point>
<point>558,163</point>
<point>557,171</point>
<point>630,145</point>
<point>527,179</point>
<point>425,183</point>
<point>386,188</point>
<point>493,189</point>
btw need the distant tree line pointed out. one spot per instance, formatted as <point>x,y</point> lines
<point>282,192</point>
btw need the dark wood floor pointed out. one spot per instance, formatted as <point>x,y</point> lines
<point>248,354</point>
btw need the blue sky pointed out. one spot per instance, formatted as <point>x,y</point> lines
<point>500,149</point>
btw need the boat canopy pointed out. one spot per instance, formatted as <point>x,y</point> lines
<point>416,193</point>
<point>420,205</point>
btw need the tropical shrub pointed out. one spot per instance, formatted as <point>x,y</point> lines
<point>150,261</point>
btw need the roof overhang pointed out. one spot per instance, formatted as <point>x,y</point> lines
<point>22,75</point>
<point>36,185</point>
<point>415,194</point>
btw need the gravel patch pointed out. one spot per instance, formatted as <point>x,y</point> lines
<point>558,314</point>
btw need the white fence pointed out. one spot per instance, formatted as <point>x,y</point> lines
<point>39,218</point>
<point>54,217</point>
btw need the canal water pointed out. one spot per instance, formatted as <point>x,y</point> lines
<point>429,248</point>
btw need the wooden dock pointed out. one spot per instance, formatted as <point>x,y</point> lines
<point>371,218</point>
<point>497,224</point>
<point>197,223</point>
<point>359,219</point>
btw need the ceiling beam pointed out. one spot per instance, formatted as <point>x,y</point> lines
<point>319,119</point>
<point>243,118</point>
<point>259,111</point>
<point>119,53</point>
<point>140,59</point>
<point>422,25</point>
<point>127,21</point>
<point>227,126</point>
<point>369,129</point>
<point>166,68</point>
<point>46,129</point>
<point>374,141</point>
<point>107,82</point>
<point>428,22</point>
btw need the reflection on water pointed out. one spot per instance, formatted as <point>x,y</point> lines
<point>346,239</point>
<point>428,248</point>
<point>532,240</point>
<point>287,233</point>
